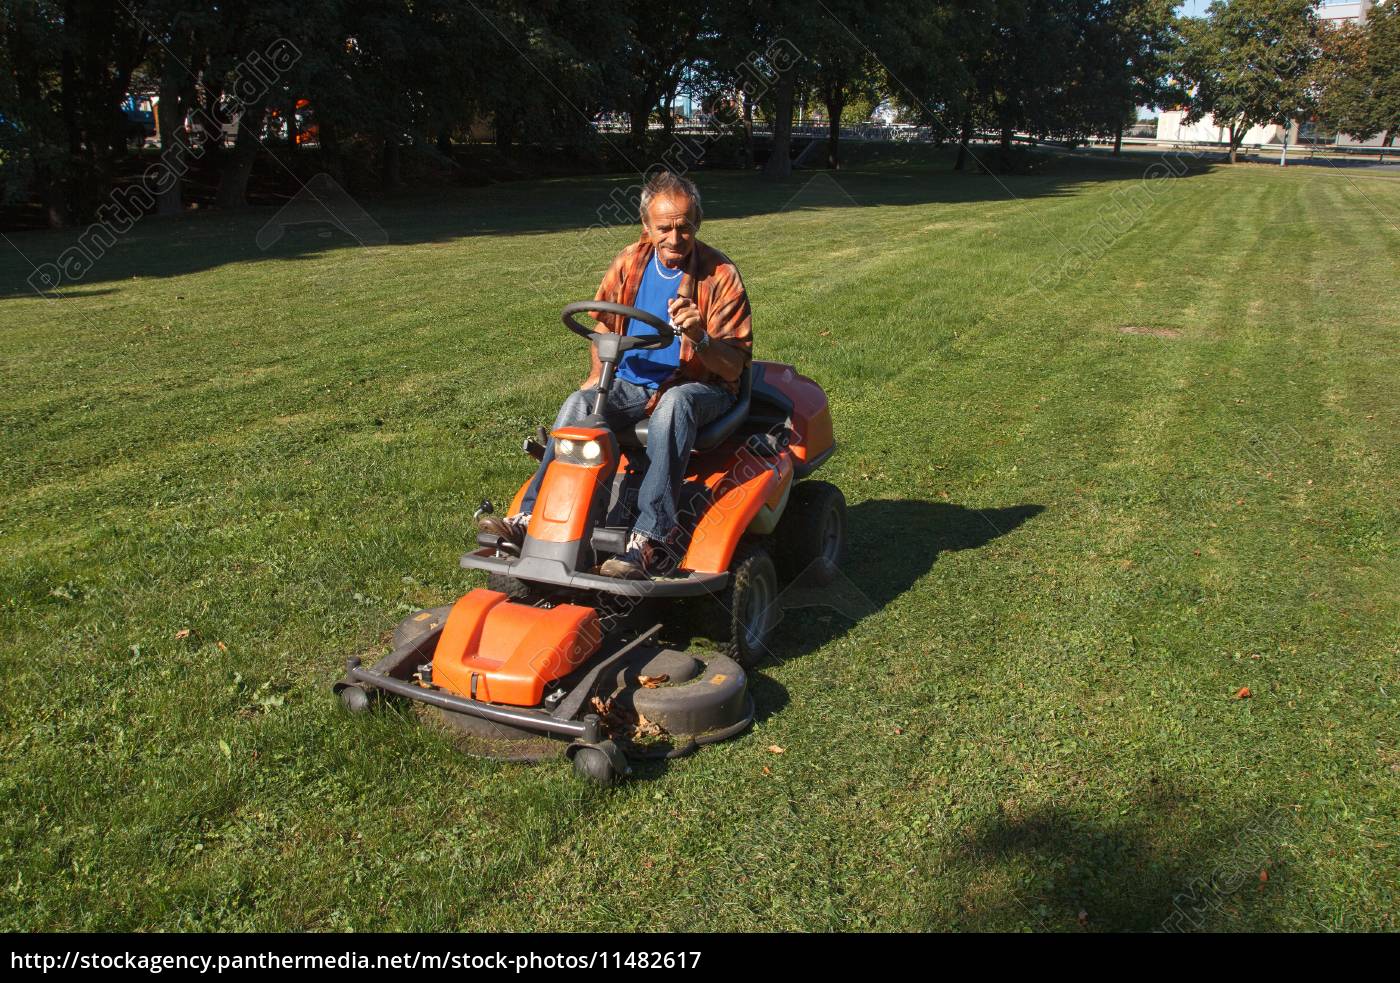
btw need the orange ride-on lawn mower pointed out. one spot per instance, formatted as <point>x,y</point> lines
<point>549,655</point>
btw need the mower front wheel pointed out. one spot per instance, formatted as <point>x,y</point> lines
<point>513,588</point>
<point>596,765</point>
<point>355,699</point>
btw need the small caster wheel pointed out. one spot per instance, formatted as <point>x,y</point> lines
<point>595,767</point>
<point>354,699</point>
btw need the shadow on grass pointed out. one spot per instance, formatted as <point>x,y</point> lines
<point>1159,867</point>
<point>598,208</point>
<point>890,545</point>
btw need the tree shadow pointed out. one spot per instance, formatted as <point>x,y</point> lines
<point>1157,867</point>
<point>598,208</point>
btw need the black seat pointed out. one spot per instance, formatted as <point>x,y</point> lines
<point>713,433</point>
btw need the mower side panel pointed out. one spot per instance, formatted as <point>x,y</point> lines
<point>496,651</point>
<point>810,414</point>
<point>739,495</point>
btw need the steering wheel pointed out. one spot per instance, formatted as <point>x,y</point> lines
<point>610,345</point>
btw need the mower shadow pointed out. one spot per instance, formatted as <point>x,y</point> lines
<point>890,545</point>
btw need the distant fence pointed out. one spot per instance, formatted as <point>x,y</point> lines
<point>1139,136</point>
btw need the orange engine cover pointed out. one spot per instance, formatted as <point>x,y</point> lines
<point>512,650</point>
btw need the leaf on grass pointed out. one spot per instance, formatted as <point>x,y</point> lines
<point>182,633</point>
<point>228,751</point>
<point>1243,693</point>
<point>651,682</point>
<point>223,647</point>
<point>899,730</point>
<point>1264,876</point>
<point>773,748</point>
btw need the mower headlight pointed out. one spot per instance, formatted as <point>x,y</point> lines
<point>588,453</point>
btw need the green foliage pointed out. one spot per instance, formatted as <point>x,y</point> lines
<point>1357,77</point>
<point>1249,62</point>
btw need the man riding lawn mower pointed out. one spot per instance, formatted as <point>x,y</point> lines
<point>671,474</point>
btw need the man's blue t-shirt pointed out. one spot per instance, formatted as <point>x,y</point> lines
<point>651,368</point>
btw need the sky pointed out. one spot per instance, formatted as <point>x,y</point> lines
<point>1194,8</point>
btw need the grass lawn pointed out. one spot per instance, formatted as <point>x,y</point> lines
<point>1085,511</point>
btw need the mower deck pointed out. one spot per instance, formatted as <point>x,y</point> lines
<point>688,700</point>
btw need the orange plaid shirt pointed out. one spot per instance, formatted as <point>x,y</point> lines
<point>712,281</point>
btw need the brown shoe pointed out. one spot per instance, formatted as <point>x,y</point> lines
<point>508,530</point>
<point>643,560</point>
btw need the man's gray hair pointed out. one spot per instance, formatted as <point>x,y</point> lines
<point>664,184</point>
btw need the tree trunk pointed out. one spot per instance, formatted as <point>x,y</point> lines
<point>238,167</point>
<point>210,137</point>
<point>748,131</point>
<point>834,108</point>
<point>170,117</point>
<point>505,130</point>
<point>779,165</point>
<point>52,196</point>
<point>640,118</point>
<point>1389,140</point>
<point>1118,141</point>
<point>389,171</point>
<point>668,117</point>
<point>329,149</point>
<point>964,135</point>
<point>1234,144</point>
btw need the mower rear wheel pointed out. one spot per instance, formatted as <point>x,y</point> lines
<point>748,605</point>
<point>811,536</point>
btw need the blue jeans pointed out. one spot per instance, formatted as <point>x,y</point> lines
<point>679,414</point>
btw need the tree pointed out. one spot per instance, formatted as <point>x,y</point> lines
<point>1383,29</point>
<point>69,65</point>
<point>1121,48</point>
<point>842,69</point>
<point>1357,76</point>
<point>1248,63</point>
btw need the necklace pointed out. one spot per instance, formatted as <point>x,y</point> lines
<point>656,261</point>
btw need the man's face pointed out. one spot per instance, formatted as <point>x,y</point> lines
<point>669,228</point>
